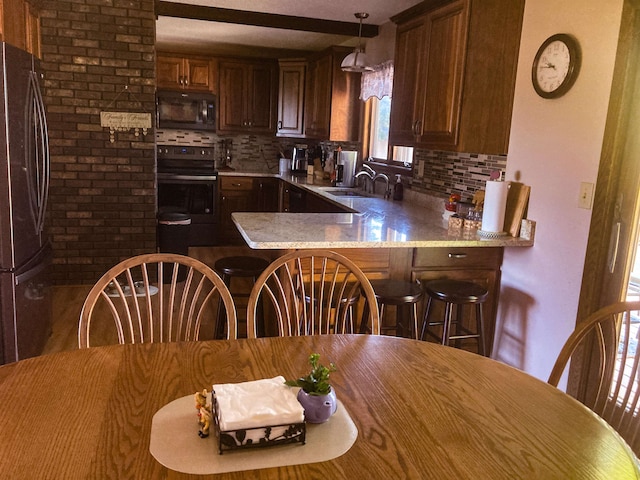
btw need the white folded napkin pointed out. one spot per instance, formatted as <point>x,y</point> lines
<point>259,403</point>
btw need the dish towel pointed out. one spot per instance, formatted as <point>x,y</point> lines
<point>259,403</point>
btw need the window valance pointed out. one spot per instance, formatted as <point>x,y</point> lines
<point>377,83</point>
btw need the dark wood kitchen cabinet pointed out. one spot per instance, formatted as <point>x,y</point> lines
<point>332,108</point>
<point>243,194</point>
<point>178,72</point>
<point>297,200</point>
<point>20,24</point>
<point>454,82</point>
<point>247,100</point>
<point>317,204</point>
<point>291,98</point>
<point>267,194</point>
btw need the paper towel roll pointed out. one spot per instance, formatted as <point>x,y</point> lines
<point>495,204</point>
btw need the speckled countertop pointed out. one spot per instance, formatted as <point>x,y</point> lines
<point>375,223</point>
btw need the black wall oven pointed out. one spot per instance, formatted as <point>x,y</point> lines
<point>187,183</point>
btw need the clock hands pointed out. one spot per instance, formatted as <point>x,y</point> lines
<point>548,65</point>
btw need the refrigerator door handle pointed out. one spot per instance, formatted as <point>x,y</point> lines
<point>40,150</point>
<point>29,274</point>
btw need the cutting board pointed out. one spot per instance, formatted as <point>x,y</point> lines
<point>517,201</point>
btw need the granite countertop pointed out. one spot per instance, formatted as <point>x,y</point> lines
<point>375,223</point>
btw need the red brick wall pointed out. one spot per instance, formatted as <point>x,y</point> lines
<point>102,195</point>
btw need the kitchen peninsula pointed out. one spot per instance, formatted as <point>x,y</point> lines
<point>406,240</point>
<point>367,221</point>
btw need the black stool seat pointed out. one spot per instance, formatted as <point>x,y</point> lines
<point>455,293</point>
<point>396,292</point>
<point>343,305</point>
<point>241,266</point>
<point>401,294</point>
<point>234,267</point>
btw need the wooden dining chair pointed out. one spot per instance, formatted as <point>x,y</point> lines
<point>606,367</point>
<point>157,297</point>
<point>311,292</point>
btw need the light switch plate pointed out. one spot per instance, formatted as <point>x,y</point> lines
<point>420,169</point>
<point>585,199</point>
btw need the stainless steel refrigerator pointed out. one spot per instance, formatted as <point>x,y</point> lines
<point>25,299</point>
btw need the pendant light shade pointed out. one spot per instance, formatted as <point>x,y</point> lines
<point>357,61</point>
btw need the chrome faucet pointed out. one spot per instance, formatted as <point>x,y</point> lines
<point>367,168</point>
<point>385,178</point>
<point>367,175</point>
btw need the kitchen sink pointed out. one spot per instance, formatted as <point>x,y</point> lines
<point>344,192</point>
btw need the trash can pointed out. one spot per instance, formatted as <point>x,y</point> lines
<point>173,237</point>
<point>173,232</point>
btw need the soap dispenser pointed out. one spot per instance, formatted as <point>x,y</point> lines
<point>398,189</point>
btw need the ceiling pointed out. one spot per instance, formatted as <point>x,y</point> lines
<point>191,35</point>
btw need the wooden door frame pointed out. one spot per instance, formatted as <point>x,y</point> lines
<point>604,216</point>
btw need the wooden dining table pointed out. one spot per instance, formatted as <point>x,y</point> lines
<point>421,411</point>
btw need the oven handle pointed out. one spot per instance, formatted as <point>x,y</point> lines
<point>201,178</point>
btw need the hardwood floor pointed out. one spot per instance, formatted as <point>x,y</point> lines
<point>68,299</point>
<point>67,303</point>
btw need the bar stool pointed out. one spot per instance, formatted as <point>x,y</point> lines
<point>343,307</point>
<point>237,267</point>
<point>401,294</point>
<point>458,293</point>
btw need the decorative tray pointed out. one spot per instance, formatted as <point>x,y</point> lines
<point>256,437</point>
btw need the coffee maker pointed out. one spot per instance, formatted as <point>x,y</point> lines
<point>300,158</point>
<point>346,163</point>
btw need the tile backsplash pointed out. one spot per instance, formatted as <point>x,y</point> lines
<point>249,153</point>
<point>444,173</point>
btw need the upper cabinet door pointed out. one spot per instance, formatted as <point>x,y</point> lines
<point>332,108</point>
<point>199,76</point>
<point>247,99</point>
<point>454,81</point>
<point>291,98</point>
<point>184,73</point>
<point>261,101</point>
<point>408,82</point>
<point>446,40</point>
<point>232,101</point>
<point>430,59</point>
<point>317,108</point>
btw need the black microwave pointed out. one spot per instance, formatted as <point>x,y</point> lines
<point>185,110</point>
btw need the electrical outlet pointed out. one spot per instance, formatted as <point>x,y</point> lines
<point>585,199</point>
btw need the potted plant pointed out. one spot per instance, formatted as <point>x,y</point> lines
<point>316,395</point>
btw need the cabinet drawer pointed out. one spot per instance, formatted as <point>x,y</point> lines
<point>236,183</point>
<point>452,257</point>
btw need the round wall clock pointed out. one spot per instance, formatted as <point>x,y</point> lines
<point>555,66</point>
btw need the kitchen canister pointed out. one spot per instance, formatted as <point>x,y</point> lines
<point>495,205</point>
<point>285,166</point>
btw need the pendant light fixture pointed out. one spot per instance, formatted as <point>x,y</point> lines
<point>357,60</point>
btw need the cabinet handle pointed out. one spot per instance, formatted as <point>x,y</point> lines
<point>279,124</point>
<point>457,256</point>
<point>417,127</point>
<point>186,81</point>
<point>236,184</point>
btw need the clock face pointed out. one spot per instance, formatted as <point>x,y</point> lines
<point>555,66</point>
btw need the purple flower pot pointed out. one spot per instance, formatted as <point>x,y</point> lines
<point>318,408</point>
